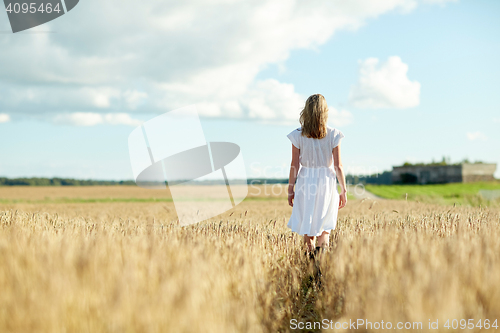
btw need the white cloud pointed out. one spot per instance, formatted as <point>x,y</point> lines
<point>156,56</point>
<point>271,100</point>
<point>496,120</point>
<point>476,136</point>
<point>439,2</point>
<point>120,119</point>
<point>134,98</point>
<point>339,118</point>
<point>92,119</point>
<point>384,86</point>
<point>79,119</point>
<point>100,97</point>
<point>4,118</point>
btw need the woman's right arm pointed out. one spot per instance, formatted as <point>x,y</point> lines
<point>339,170</point>
<point>294,169</point>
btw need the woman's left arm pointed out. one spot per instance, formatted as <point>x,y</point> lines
<point>294,169</point>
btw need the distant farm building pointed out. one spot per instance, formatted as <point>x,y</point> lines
<point>448,173</point>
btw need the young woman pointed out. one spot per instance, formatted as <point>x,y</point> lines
<point>315,199</point>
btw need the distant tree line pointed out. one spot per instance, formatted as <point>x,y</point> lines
<point>59,182</point>
<point>261,181</point>
<point>80,182</point>
<point>444,161</point>
<point>383,178</point>
<point>376,178</point>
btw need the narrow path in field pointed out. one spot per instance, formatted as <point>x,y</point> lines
<point>308,312</point>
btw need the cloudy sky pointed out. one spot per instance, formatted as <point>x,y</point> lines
<point>405,80</point>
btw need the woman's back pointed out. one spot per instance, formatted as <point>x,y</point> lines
<point>316,153</point>
<point>312,188</point>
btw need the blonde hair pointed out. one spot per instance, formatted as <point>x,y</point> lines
<point>314,117</point>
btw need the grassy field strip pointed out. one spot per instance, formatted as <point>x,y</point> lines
<point>131,194</point>
<point>452,193</point>
<point>117,200</point>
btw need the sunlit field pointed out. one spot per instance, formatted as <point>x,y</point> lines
<point>115,259</point>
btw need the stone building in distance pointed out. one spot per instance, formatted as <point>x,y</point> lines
<point>443,173</point>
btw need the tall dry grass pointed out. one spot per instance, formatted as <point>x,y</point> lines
<point>410,262</point>
<point>129,267</point>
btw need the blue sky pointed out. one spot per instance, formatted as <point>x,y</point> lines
<point>405,81</point>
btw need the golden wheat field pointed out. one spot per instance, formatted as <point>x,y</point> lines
<point>115,259</point>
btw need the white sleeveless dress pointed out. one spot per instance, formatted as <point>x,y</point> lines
<point>316,202</point>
